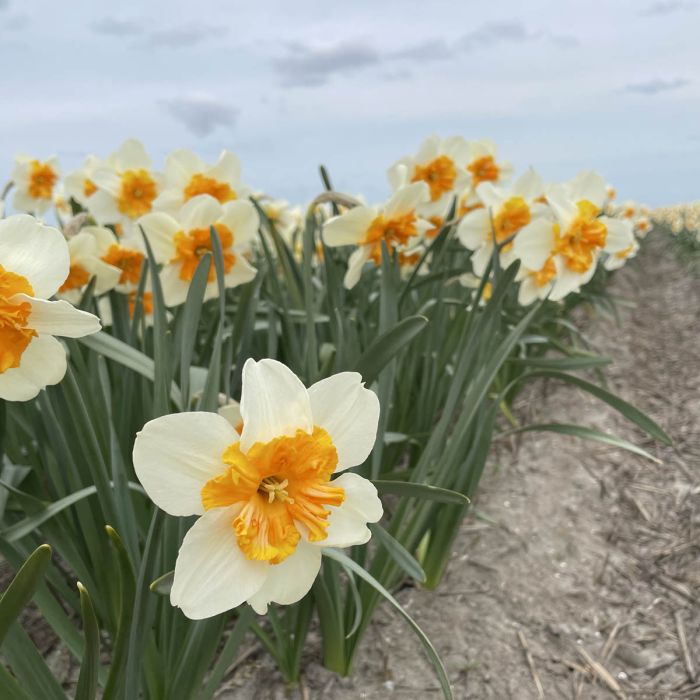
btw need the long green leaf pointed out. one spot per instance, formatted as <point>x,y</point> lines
<point>398,553</point>
<point>430,651</point>
<point>89,669</point>
<point>423,491</point>
<point>22,587</point>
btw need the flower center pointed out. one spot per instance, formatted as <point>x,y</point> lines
<point>395,231</point>
<point>483,169</point>
<point>201,184</point>
<point>129,261</point>
<point>89,187</point>
<point>78,277</point>
<point>15,336</point>
<point>42,178</point>
<point>283,487</point>
<point>191,246</point>
<point>512,216</point>
<point>440,175</point>
<point>585,235</point>
<point>138,190</point>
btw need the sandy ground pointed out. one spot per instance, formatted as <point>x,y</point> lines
<point>585,554</point>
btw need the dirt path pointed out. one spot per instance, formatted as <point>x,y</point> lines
<point>588,553</point>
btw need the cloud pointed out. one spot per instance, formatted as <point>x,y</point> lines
<point>311,66</point>
<point>112,26</point>
<point>491,33</point>
<point>430,50</point>
<point>182,36</point>
<point>4,4</point>
<point>667,7</point>
<point>201,114</point>
<point>654,87</point>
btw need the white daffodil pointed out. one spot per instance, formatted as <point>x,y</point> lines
<point>87,250</point>
<point>187,176</point>
<point>267,502</point>
<point>575,238</point>
<point>481,166</point>
<point>397,223</point>
<point>126,253</point>
<point>34,183</point>
<point>642,227</point>
<point>537,283</point>
<point>126,187</point>
<point>614,261</point>
<point>285,218</point>
<point>441,164</point>
<point>179,243</point>
<point>34,263</point>
<point>503,214</point>
<point>80,184</point>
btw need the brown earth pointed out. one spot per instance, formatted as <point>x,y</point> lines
<point>583,553</point>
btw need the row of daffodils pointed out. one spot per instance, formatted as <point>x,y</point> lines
<point>286,472</point>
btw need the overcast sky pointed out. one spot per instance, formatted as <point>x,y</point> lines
<point>560,85</point>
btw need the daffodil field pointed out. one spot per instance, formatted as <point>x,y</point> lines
<point>261,419</point>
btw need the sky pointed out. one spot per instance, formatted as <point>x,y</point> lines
<point>561,86</point>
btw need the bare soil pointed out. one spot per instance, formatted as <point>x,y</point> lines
<point>579,571</point>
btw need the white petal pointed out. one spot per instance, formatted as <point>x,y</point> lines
<point>355,264</point>
<point>174,288</point>
<point>132,156</point>
<point>241,218</point>
<point>35,251</point>
<point>568,281</point>
<point>212,575</point>
<point>528,291</point>
<point>199,212</point>
<point>43,363</point>
<point>175,455</point>
<point>475,229</point>
<point>290,580</point>
<point>620,234</point>
<point>491,196</point>
<point>591,187</point>
<point>227,169</point>
<point>481,258</point>
<point>349,228</point>
<point>103,208</point>
<point>347,523</point>
<point>349,412</point>
<point>60,318</point>
<point>564,208</point>
<point>534,243</point>
<point>180,166</point>
<point>241,273</point>
<point>274,403</point>
<point>406,199</point>
<point>160,229</point>
<point>529,186</point>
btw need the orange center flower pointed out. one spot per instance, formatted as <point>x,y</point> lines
<point>78,277</point>
<point>483,169</point>
<point>201,184</point>
<point>512,216</point>
<point>138,190</point>
<point>127,260</point>
<point>585,235</point>
<point>546,274</point>
<point>146,301</point>
<point>42,178</point>
<point>283,487</point>
<point>440,175</point>
<point>89,187</point>
<point>15,336</point>
<point>395,231</point>
<point>190,246</point>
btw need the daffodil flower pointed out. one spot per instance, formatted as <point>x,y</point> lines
<point>397,223</point>
<point>441,164</point>
<point>127,187</point>
<point>34,263</point>
<point>575,236</point>
<point>187,176</point>
<point>267,502</point>
<point>179,244</point>
<point>80,184</point>
<point>503,214</point>
<point>87,250</point>
<point>34,182</point>
<point>482,166</point>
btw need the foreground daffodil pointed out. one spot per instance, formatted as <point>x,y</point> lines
<point>267,502</point>
<point>34,263</point>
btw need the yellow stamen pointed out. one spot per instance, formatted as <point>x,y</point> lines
<point>42,178</point>
<point>191,246</point>
<point>585,235</point>
<point>15,335</point>
<point>484,169</point>
<point>129,261</point>
<point>201,184</point>
<point>395,231</point>
<point>138,190</point>
<point>440,175</point>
